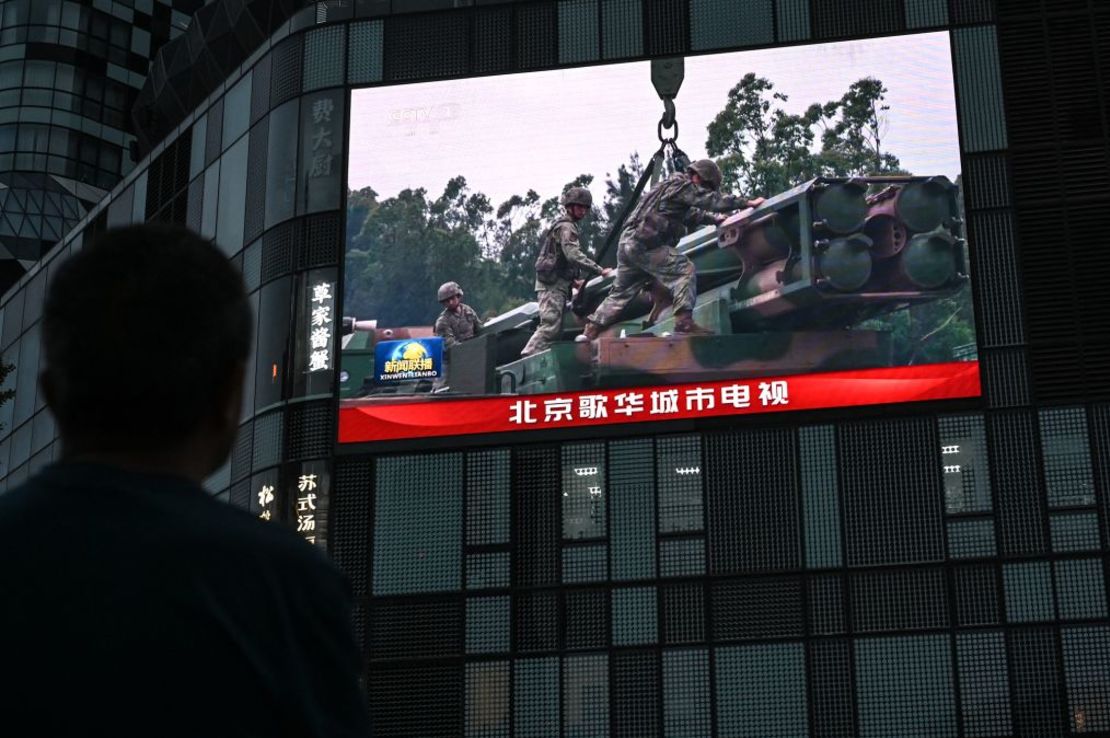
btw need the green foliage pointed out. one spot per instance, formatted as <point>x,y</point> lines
<point>763,150</point>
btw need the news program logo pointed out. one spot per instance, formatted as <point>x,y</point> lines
<point>412,358</point>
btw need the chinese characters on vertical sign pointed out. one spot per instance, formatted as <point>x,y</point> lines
<point>306,506</point>
<point>321,302</point>
<point>323,146</point>
<point>309,490</point>
<point>266,502</point>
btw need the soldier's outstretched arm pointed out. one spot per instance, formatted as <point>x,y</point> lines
<point>572,249</point>
<point>703,199</point>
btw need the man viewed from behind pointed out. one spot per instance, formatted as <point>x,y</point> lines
<point>134,602</point>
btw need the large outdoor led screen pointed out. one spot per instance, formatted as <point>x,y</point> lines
<point>830,268</point>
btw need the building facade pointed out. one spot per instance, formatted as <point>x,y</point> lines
<point>924,570</point>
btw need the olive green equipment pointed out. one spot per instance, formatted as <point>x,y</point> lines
<point>784,287</point>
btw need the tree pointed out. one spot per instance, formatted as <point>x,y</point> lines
<point>764,150</point>
<point>852,144</point>
<point>407,246</point>
<point>761,149</point>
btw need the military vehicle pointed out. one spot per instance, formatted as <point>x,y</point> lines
<point>784,287</point>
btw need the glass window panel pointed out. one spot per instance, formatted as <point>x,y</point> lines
<point>1074,532</point>
<point>211,200</point>
<point>1067,457</point>
<point>324,51</point>
<point>487,624</point>
<point>1086,654</point>
<point>487,700</point>
<point>237,110</point>
<point>1028,592</point>
<point>26,382</point>
<point>584,513</point>
<point>585,564</point>
<point>281,169</point>
<point>586,695</point>
<point>678,469</point>
<point>487,571</point>
<point>7,409</point>
<point>138,215</point>
<point>717,24</point>
<point>272,341</point>
<point>578,31</point>
<point>418,524</point>
<point>682,557</point>
<point>196,148</point>
<point>963,458</point>
<point>686,701</point>
<point>232,198</point>
<point>820,497</point>
<point>632,512</point>
<point>366,52</point>
<point>971,538</point>
<point>761,690</point>
<point>1080,589</point>
<point>904,687</point>
<point>635,616</point>
<point>536,698</point>
<point>984,684</point>
<point>487,497</point>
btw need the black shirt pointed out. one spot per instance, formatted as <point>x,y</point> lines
<point>135,604</point>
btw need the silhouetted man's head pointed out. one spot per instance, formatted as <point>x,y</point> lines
<point>146,334</point>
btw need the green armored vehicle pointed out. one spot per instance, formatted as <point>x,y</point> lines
<point>784,287</point>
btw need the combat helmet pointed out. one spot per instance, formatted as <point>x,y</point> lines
<point>577,196</point>
<point>447,290</point>
<point>709,172</point>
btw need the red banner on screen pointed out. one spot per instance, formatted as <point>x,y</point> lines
<point>424,417</point>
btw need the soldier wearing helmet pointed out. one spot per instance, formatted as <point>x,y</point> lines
<point>646,251</point>
<point>559,266</point>
<point>457,322</point>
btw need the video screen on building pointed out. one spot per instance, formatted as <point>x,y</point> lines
<point>553,250</point>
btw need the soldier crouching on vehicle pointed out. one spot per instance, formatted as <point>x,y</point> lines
<point>457,322</point>
<point>559,266</point>
<point>646,250</point>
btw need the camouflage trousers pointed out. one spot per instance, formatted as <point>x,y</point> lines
<point>553,301</point>
<point>637,266</point>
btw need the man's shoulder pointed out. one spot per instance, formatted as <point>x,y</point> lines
<point>442,318</point>
<point>566,227</point>
<point>165,517</point>
<point>468,311</point>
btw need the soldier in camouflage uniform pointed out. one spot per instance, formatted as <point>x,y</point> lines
<point>457,322</point>
<point>646,250</point>
<point>559,266</point>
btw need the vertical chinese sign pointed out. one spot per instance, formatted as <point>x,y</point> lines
<point>309,494</point>
<point>322,120</point>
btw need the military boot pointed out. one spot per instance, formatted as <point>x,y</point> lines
<point>589,333</point>
<point>684,323</point>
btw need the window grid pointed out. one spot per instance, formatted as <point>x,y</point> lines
<point>984,684</point>
<point>635,615</point>
<point>586,695</point>
<point>686,698</point>
<point>1069,479</point>
<point>1074,532</point>
<point>1080,589</point>
<point>904,687</point>
<point>487,700</point>
<point>761,690</point>
<point>1086,653</point>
